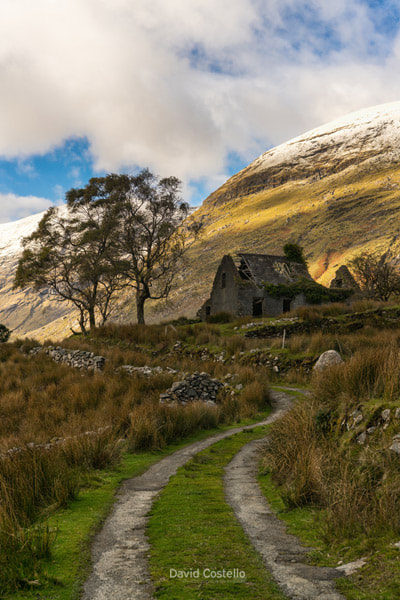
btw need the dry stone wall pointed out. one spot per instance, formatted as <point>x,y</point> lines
<point>54,443</point>
<point>79,359</point>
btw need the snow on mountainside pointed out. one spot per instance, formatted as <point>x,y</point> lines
<point>379,126</point>
<point>368,137</point>
<point>26,310</point>
<point>11,234</point>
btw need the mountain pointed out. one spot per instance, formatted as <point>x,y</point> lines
<point>333,190</point>
<point>26,312</point>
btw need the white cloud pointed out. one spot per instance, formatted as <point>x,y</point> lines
<point>13,207</point>
<point>177,85</point>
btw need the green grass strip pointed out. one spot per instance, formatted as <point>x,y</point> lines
<point>62,574</point>
<point>192,529</point>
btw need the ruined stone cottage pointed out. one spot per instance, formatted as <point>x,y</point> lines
<point>344,279</point>
<point>239,286</point>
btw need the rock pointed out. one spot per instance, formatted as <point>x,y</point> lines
<point>352,567</point>
<point>371,430</point>
<point>327,359</point>
<point>395,447</point>
<point>357,420</point>
<point>385,414</point>
<point>397,413</point>
<point>361,438</point>
<point>145,371</point>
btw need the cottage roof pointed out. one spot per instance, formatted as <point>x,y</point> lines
<point>270,268</point>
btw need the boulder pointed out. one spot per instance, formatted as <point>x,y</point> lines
<point>395,447</point>
<point>327,359</point>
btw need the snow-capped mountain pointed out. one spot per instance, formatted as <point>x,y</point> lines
<point>334,190</point>
<point>27,311</point>
<point>369,137</point>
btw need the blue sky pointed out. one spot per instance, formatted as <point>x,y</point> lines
<point>196,89</point>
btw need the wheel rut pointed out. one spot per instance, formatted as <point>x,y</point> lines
<point>282,553</point>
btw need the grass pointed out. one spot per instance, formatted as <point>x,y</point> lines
<point>41,400</point>
<point>379,579</point>
<point>339,496</point>
<point>64,571</point>
<point>192,527</point>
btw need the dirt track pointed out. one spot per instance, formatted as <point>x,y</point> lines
<point>120,550</point>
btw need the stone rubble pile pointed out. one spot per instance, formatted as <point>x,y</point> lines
<point>198,386</point>
<point>79,359</point>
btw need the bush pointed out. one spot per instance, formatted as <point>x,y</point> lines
<point>314,293</point>
<point>4,333</point>
<point>221,317</point>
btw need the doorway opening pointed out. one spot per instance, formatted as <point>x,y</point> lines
<point>257,307</point>
<point>286,305</point>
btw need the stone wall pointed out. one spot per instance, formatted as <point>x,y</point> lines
<point>79,359</point>
<point>224,294</point>
<point>54,443</point>
<point>146,371</point>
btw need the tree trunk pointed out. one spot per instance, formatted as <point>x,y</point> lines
<point>140,300</point>
<point>82,321</point>
<point>92,318</point>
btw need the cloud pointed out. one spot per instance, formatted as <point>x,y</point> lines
<point>13,207</point>
<point>177,86</point>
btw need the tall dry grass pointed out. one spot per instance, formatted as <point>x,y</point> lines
<point>317,461</point>
<point>41,401</point>
<point>34,480</point>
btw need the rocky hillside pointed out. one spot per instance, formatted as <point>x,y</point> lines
<point>333,190</point>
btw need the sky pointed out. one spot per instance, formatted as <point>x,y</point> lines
<point>191,88</point>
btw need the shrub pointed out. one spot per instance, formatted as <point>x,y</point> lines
<point>314,293</point>
<point>4,333</point>
<point>221,317</point>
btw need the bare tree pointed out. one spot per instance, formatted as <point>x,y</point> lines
<point>378,277</point>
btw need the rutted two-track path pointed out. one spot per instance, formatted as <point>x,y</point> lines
<point>120,550</point>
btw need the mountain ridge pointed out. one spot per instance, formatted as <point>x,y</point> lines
<point>275,166</point>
